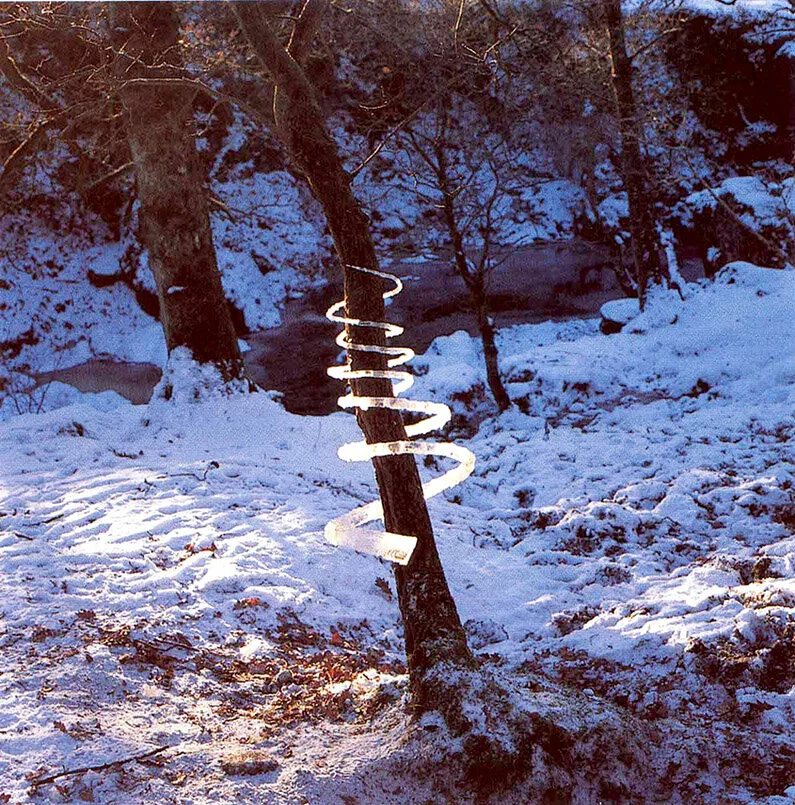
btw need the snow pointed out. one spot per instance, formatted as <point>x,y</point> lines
<point>615,402</point>
<point>620,311</point>
<point>718,8</point>
<point>258,273</point>
<point>614,209</point>
<point>47,295</point>
<point>59,395</point>
<point>765,208</point>
<point>766,202</point>
<point>628,528</point>
<point>545,211</point>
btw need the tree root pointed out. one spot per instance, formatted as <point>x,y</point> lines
<point>544,743</point>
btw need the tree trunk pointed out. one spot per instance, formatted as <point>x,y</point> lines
<point>174,218</point>
<point>791,116</point>
<point>486,330</point>
<point>433,630</point>
<point>649,267</point>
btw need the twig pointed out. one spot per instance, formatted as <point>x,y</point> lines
<point>735,216</point>
<point>403,124</point>
<point>108,176</point>
<point>654,40</point>
<point>110,764</point>
<point>388,136</point>
<point>213,465</point>
<point>305,28</point>
<point>34,142</point>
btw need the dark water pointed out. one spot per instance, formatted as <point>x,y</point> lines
<point>535,283</point>
<point>532,284</point>
<point>134,381</point>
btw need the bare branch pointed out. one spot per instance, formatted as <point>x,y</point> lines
<point>388,136</point>
<point>40,781</point>
<point>305,28</point>
<point>458,19</point>
<point>23,85</point>
<point>108,176</point>
<point>654,41</point>
<point>16,160</point>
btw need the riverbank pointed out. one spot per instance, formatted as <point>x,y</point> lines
<point>557,281</point>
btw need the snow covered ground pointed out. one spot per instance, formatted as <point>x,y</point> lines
<point>629,531</point>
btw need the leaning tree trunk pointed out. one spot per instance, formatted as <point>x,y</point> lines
<point>649,267</point>
<point>433,631</point>
<point>174,218</point>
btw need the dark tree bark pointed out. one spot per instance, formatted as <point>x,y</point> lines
<point>433,631</point>
<point>649,268</point>
<point>486,330</point>
<point>174,217</point>
<point>791,107</point>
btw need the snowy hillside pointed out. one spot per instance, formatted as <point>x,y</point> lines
<point>628,534</point>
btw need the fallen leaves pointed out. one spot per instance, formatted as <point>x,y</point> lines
<point>248,762</point>
<point>383,585</point>
<point>79,731</point>
<point>38,634</point>
<point>192,549</point>
<point>248,603</point>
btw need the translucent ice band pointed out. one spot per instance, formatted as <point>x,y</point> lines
<point>348,530</point>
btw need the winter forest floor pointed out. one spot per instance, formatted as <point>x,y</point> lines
<point>174,623</point>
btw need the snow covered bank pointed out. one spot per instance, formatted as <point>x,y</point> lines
<point>628,531</point>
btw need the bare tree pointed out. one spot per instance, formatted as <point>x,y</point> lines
<point>434,635</point>
<point>174,217</point>
<point>469,196</point>
<point>56,100</point>
<point>649,267</point>
<point>582,39</point>
<point>437,101</point>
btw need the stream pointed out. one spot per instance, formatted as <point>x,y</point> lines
<point>546,281</point>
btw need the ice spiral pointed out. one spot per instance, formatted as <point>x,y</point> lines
<point>348,529</point>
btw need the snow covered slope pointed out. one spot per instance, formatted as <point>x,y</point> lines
<point>629,531</point>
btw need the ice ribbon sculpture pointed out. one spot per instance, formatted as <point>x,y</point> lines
<point>347,530</point>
